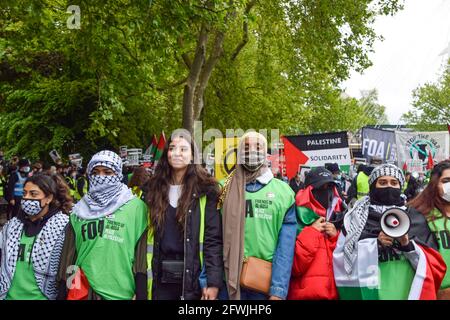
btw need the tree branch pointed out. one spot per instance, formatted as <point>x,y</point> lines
<point>185,56</point>
<point>168,86</point>
<point>135,58</point>
<point>244,41</point>
<point>215,55</point>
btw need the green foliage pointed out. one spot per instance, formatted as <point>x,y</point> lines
<point>120,77</point>
<point>431,105</point>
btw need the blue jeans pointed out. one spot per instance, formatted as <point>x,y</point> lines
<point>246,294</point>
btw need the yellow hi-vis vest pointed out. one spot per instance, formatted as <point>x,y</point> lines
<point>137,192</point>
<point>72,184</point>
<point>150,241</point>
<point>362,185</point>
<point>2,184</point>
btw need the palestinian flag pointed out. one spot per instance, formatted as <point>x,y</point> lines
<point>430,163</point>
<point>160,147</point>
<point>371,280</point>
<point>405,167</point>
<point>309,209</point>
<point>152,148</point>
<point>316,150</point>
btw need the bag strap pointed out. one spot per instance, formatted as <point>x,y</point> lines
<point>202,226</point>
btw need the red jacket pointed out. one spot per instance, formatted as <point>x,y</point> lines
<point>312,271</point>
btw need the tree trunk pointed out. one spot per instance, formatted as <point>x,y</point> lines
<point>191,84</point>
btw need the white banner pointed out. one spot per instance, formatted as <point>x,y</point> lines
<point>415,148</point>
<point>318,158</point>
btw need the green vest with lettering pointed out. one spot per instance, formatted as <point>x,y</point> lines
<point>265,212</point>
<point>150,242</point>
<point>362,185</point>
<point>106,248</point>
<point>24,285</point>
<point>440,227</point>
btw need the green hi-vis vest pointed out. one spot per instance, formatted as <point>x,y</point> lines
<point>362,185</point>
<point>106,249</point>
<point>265,212</point>
<point>440,227</point>
<point>150,241</point>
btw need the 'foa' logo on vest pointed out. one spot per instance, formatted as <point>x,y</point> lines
<point>270,195</point>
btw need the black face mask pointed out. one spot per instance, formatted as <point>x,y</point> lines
<point>323,196</point>
<point>386,196</point>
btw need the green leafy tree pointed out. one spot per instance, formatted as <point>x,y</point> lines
<point>134,68</point>
<point>431,105</point>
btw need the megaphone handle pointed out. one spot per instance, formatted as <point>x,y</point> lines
<point>408,247</point>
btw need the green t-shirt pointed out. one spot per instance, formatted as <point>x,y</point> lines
<point>265,212</point>
<point>106,246</point>
<point>23,285</point>
<point>396,277</point>
<point>440,227</point>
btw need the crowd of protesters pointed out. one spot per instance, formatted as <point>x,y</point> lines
<point>104,231</point>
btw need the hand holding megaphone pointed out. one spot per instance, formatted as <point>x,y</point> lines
<point>395,224</point>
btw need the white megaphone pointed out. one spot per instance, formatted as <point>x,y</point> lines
<point>395,223</point>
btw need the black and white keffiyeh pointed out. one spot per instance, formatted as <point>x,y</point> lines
<point>355,220</point>
<point>106,193</point>
<point>387,170</point>
<point>45,255</point>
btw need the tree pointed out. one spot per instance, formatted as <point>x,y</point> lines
<point>136,68</point>
<point>431,105</point>
<point>325,39</point>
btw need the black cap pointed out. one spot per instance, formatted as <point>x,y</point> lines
<point>319,176</point>
<point>23,163</point>
<point>333,167</point>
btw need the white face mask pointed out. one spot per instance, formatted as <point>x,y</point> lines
<point>446,194</point>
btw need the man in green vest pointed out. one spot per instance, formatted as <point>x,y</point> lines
<point>105,244</point>
<point>360,184</point>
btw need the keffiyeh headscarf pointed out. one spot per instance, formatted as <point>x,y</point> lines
<point>106,193</point>
<point>356,218</point>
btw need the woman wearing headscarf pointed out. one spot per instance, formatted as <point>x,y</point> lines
<point>369,265</point>
<point>434,204</point>
<point>259,221</point>
<point>104,255</point>
<point>31,243</point>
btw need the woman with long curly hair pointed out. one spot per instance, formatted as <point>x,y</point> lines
<point>31,243</point>
<point>182,199</point>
